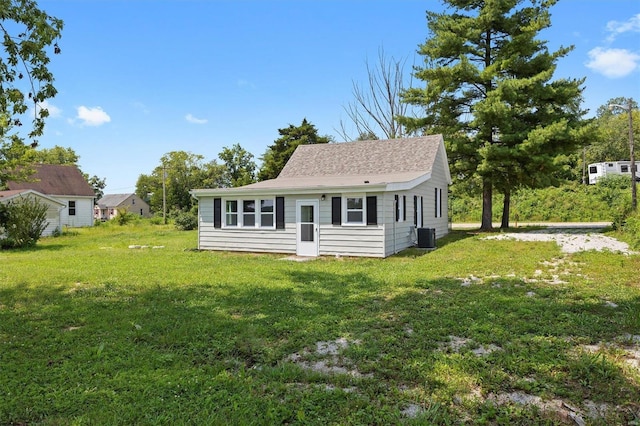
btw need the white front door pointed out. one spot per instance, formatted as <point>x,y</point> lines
<point>307,227</point>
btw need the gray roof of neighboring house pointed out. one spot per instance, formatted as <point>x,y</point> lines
<point>112,200</point>
<point>51,179</point>
<point>362,163</point>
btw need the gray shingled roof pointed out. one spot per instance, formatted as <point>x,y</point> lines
<point>112,200</point>
<point>350,164</point>
<point>53,179</point>
<point>373,158</point>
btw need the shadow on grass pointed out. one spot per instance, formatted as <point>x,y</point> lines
<point>226,344</point>
<point>452,237</point>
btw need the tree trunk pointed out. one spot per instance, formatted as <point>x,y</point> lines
<point>487,207</point>
<point>506,209</point>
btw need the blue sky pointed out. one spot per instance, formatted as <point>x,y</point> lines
<point>138,79</point>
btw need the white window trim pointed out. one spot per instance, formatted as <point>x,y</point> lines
<point>259,213</point>
<point>240,213</point>
<point>345,210</point>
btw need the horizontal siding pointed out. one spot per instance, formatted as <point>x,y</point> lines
<point>245,239</point>
<point>399,235</point>
<point>352,240</point>
<point>333,240</point>
<point>53,219</point>
<point>84,212</point>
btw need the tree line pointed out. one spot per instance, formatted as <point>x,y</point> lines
<point>486,82</point>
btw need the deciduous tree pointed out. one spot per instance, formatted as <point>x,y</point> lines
<point>29,35</point>
<point>377,104</point>
<point>239,167</point>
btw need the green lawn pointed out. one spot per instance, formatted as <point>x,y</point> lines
<point>477,331</point>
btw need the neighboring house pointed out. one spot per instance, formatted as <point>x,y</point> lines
<point>107,206</point>
<point>66,184</point>
<point>54,207</point>
<point>363,198</point>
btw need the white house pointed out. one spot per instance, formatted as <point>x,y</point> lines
<point>54,207</point>
<point>366,198</point>
<point>66,184</point>
<point>107,207</point>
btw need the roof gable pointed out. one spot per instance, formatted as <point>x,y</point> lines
<point>52,179</point>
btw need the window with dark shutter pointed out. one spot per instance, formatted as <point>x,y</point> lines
<point>279,212</point>
<point>336,210</point>
<point>372,210</point>
<point>404,207</point>
<point>415,211</point>
<point>217,213</point>
<point>397,203</point>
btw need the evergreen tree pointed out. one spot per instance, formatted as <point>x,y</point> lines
<point>489,90</point>
<point>279,153</point>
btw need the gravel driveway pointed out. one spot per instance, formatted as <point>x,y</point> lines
<point>570,240</point>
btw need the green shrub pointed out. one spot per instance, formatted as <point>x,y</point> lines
<point>186,221</point>
<point>24,220</point>
<point>124,216</point>
<point>632,230</point>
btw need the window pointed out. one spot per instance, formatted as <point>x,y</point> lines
<point>231,216</point>
<point>401,208</point>
<point>141,214</point>
<point>624,168</point>
<point>417,211</point>
<point>593,169</point>
<point>133,201</point>
<point>355,210</point>
<point>72,208</point>
<point>266,213</point>
<point>249,213</point>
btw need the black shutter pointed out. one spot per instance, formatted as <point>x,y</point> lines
<point>422,210</point>
<point>372,210</point>
<point>336,210</point>
<point>440,203</point>
<point>279,212</point>
<point>415,211</point>
<point>217,213</point>
<point>404,207</point>
<point>436,203</point>
<point>397,202</point>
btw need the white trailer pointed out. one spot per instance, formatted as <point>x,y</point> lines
<point>599,170</point>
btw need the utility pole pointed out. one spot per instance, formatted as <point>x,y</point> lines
<point>629,109</point>
<point>164,194</point>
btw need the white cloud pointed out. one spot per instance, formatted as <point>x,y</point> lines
<point>191,119</point>
<point>92,116</point>
<point>54,111</point>
<point>615,28</point>
<point>613,63</point>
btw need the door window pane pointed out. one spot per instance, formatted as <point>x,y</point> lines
<point>306,232</point>
<point>306,214</point>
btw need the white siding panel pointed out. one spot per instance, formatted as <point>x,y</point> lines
<point>84,211</point>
